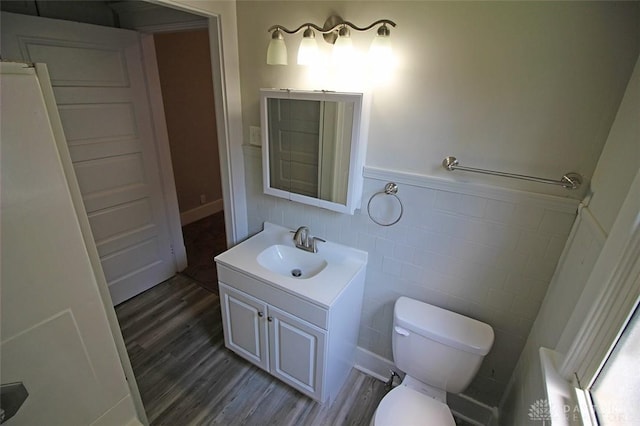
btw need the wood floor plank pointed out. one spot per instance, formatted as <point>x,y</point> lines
<point>156,316</point>
<point>186,406</point>
<point>186,376</point>
<point>174,377</point>
<point>137,308</point>
<point>232,409</point>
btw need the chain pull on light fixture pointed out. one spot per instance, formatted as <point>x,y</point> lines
<point>335,31</point>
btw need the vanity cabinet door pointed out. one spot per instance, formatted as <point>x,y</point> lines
<point>244,325</point>
<point>296,352</point>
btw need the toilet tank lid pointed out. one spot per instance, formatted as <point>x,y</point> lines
<point>446,327</point>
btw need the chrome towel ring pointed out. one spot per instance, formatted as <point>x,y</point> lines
<point>389,189</point>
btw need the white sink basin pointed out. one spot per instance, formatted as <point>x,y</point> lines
<point>291,261</point>
<point>271,257</point>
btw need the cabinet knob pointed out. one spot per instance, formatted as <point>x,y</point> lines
<point>260,314</point>
<point>270,319</point>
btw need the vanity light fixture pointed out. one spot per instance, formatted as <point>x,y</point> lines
<point>335,31</point>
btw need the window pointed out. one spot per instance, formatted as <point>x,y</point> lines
<point>597,362</point>
<point>615,392</point>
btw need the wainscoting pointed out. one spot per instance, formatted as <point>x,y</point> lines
<point>579,257</point>
<point>483,251</point>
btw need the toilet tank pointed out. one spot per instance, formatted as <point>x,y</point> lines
<point>438,347</point>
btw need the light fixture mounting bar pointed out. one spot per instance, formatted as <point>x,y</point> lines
<point>333,28</point>
<point>333,23</point>
<point>368,27</point>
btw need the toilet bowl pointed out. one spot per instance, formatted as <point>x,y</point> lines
<point>407,407</point>
<point>440,351</point>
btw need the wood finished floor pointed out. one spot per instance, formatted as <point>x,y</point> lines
<point>203,240</point>
<point>186,376</point>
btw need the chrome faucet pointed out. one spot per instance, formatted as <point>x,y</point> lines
<point>304,241</point>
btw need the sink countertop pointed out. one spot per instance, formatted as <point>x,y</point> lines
<point>343,263</point>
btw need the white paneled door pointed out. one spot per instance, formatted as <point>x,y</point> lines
<point>100,90</point>
<point>56,340</point>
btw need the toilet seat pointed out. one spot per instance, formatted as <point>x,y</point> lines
<point>407,407</point>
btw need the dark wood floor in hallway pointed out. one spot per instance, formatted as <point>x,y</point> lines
<point>203,240</point>
<point>186,376</point>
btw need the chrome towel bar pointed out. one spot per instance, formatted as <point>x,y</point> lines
<point>570,180</point>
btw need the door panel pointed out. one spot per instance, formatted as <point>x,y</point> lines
<point>101,94</point>
<point>244,322</point>
<point>297,366</point>
<point>76,63</point>
<point>110,223</point>
<point>296,352</point>
<point>130,260</point>
<point>98,121</point>
<point>110,172</point>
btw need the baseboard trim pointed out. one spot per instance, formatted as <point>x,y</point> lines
<point>461,406</point>
<point>201,212</point>
<point>373,365</point>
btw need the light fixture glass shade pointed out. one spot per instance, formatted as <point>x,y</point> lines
<point>343,47</point>
<point>277,52</point>
<point>308,50</point>
<point>381,50</point>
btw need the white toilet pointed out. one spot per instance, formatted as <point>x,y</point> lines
<point>440,351</point>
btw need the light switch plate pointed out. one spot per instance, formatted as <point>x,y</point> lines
<point>255,137</point>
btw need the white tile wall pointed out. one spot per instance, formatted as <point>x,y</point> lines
<point>487,257</point>
<point>581,254</point>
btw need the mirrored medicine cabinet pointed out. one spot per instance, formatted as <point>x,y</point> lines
<point>313,146</point>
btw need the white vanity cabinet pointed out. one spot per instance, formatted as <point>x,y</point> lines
<point>310,347</point>
<point>289,348</point>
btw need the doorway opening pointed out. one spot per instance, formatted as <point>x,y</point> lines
<point>184,69</point>
<point>175,52</point>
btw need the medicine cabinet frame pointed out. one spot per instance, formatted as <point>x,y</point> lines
<point>357,151</point>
